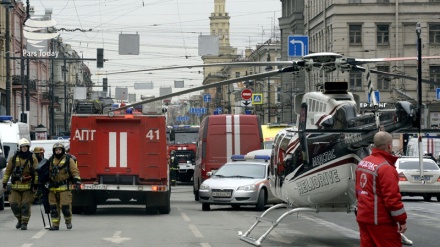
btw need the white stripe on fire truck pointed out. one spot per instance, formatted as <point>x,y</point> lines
<point>112,149</point>
<point>228,138</point>
<point>237,134</point>
<point>123,149</point>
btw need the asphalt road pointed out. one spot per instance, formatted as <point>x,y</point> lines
<point>188,225</point>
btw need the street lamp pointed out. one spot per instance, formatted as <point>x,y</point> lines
<point>9,4</point>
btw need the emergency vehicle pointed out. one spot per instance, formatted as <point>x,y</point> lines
<point>123,157</point>
<point>430,146</point>
<point>270,131</point>
<point>182,150</point>
<point>220,137</point>
<point>11,132</point>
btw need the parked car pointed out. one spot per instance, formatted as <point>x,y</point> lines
<point>410,182</point>
<point>244,181</point>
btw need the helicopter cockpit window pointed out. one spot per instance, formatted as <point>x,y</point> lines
<point>342,114</point>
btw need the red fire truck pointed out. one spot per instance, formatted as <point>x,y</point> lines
<point>121,157</point>
<point>182,150</point>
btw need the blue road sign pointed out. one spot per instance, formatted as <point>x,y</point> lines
<point>207,97</point>
<point>437,92</point>
<point>203,110</point>
<point>297,45</point>
<point>219,110</point>
<point>377,95</point>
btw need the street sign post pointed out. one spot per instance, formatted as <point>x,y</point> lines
<point>246,94</point>
<point>297,45</point>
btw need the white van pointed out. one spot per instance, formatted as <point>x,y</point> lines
<point>11,132</point>
<point>48,145</point>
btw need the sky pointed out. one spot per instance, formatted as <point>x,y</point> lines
<point>168,30</point>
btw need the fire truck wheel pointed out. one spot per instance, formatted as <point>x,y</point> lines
<point>91,209</point>
<point>151,210</point>
<point>206,206</point>
<point>77,210</point>
<point>427,197</point>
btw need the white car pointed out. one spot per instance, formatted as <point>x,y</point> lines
<point>410,182</point>
<point>237,183</point>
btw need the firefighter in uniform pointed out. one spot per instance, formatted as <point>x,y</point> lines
<point>63,173</point>
<point>173,168</point>
<point>22,169</point>
<point>39,153</point>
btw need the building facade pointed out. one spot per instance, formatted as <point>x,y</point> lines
<point>373,29</point>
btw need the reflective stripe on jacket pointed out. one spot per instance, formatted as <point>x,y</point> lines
<point>377,190</point>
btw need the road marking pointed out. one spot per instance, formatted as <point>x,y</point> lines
<point>117,238</point>
<point>344,231</point>
<point>40,233</point>
<point>185,217</point>
<point>195,231</point>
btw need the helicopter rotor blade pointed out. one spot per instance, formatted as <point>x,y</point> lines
<point>361,61</point>
<point>215,84</point>
<point>233,64</point>
<point>397,75</point>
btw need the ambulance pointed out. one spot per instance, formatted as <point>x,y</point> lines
<point>270,131</point>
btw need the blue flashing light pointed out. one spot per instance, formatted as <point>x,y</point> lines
<point>236,157</point>
<point>129,110</point>
<point>6,118</point>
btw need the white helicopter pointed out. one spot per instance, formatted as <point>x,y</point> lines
<point>312,166</point>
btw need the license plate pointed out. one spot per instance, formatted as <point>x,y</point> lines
<point>222,193</point>
<point>95,186</point>
<point>417,178</point>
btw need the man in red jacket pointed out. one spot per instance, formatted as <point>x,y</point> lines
<point>380,212</point>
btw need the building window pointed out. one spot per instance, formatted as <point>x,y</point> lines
<point>355,80</point>
<point>434,75</point>
<point>434,33</point>
<point>383,81</point>
<point>355,34</point>
<point>383,1</point>
<point>237,74</point>
<point>383,34</point>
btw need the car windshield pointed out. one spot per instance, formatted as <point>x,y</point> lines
<point>242,170</point>
<point>414,165</point>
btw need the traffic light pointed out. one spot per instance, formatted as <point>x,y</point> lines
<point>100,58</point>
<point>104,84</point>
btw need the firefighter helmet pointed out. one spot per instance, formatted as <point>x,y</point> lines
<point>24,142</point>
<point>58,145</point>
<point>38,150</point>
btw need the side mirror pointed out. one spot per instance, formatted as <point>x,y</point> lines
<point>209,174</point>
<point>172,135</point>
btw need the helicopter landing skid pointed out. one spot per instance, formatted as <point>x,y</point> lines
<point>257,242</point>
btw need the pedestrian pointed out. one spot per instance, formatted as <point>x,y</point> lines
<point>380,214</point>
<point>63,173</point>
<point>21,168</point>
